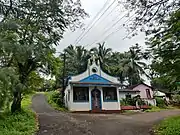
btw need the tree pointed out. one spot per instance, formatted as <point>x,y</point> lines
<point>148,14</point>
<point>102,54</point>
<point>164,44</point>
<point>8,80</point>
<point>134,65</point>
<point>116,66</point>
<point>76,59</point>
<point>32,28</point>
<point>34,82</point>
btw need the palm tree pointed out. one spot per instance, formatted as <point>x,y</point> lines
<point>116,66</point>
<point>134,65</point>
<point>76,59</point>
<point>102,54</point>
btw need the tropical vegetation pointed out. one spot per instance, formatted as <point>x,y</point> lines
<point>54,99</point>
<point>19,123</point>
<point>169,126</point>
<point>128,66</point>
<point>164,47</point>
<point>29,32</point>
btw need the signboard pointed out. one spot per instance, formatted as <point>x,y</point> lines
<point>95,79</point>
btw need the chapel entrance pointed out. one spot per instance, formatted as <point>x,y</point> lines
<point>96,99</point>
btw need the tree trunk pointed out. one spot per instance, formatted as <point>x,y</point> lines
<point>16,105</point>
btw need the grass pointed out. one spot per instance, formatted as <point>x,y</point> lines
<point>22,123</point>
<point>49,96</point>
<point>170,126</point>
<point>158,109</point>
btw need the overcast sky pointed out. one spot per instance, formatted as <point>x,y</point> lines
<point>110,22</point>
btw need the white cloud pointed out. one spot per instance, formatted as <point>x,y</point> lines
<point>97,34</point>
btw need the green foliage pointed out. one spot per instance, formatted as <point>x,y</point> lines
<point>102,54</point>
<point>55,100</point>
<point>76,59</point>
<point>149,14</point>
<point>155,109</point>
<point>160,102</point>
<point>128,66</point>
<point>165,50</point>
<point>176,100</point>
<point>34,82</point>
<point>169,126</point>
<point>8,80</point>
<point>124,102</point>
<point>29,32</point>
<point>21,123</point>
<point>132,101</point>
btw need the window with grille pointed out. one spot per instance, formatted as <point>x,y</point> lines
<point>148,93</point>
<point>109,94</point>
<point>80,94</point>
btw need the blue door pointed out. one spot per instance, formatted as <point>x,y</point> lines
<point>96,99</point>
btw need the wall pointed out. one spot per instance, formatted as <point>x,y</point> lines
<point>86,106</point>
<point>89,72</point>
<point>78,106</point>
<point>67,93</point>
<point>122,94</point>
<point>110,105</point>
<point>142,88</point>
<point>80,76</point>
<point>151,101</point>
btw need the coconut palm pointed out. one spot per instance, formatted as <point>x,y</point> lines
<point>102,54</point>
<point>116,66</point>
<point>133,65</point>
<point>76,59</point>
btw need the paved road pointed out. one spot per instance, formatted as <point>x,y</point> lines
<point>53,122</point>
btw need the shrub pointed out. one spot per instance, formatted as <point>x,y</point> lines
<point>176,99</point>
<point>21,123</point>
<point>160,102</point>
<point>132,101</point>
<point>55,100</point>
<point>123,102</point>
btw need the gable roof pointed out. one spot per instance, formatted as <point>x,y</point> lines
<point>133,86</point>
<point>95,79</point>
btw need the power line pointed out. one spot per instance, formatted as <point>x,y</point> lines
<point>114,24</point>
<point>109,13</point>
<point>96,21</point>
<point>92,21</point>
<point>118,29</point>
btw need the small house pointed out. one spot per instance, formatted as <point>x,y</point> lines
<point>93,90</point>
<point>145,91</point>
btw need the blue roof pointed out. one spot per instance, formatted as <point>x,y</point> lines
<point>95,79</point>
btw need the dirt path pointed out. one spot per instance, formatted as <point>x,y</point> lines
<point>53,122</point>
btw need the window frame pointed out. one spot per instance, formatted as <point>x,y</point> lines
<point>128,94</point>
<point>148,93</point>
<point>80,101</point>
<point>104,89</point>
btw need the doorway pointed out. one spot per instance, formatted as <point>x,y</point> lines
<point>96,99</point>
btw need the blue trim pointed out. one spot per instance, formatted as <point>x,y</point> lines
<point>95,79</point>
<point>80,101</point>
<point>87,85</point>
<point>110,101</point>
